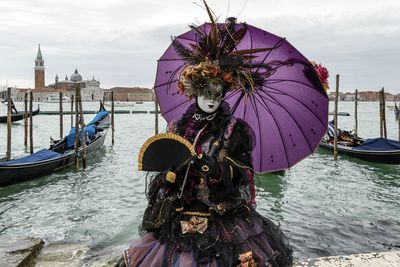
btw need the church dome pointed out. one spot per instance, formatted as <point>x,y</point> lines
<point>75,77</point>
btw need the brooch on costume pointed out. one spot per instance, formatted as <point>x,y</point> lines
<point>246,260</point>
<point>196,224</point>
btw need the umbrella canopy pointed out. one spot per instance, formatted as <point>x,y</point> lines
<point>288,113</point>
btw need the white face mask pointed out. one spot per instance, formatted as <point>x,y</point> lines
<point>208,105</point>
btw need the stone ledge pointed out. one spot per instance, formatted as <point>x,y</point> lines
<point>19,252</point>
<point>62,254</point>
<point>375,259</point>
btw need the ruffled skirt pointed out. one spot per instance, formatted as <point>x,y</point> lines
<point>228,241</point>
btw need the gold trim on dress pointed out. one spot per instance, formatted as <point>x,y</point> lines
<point>237,164</point>
<point>179,209</point>
<point>205,168</point>
<point>196,213</point>
<point>162,136</point>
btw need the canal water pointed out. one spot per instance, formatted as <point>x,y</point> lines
<point>325,207</point>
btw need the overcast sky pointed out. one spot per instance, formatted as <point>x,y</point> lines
<point>119,41</point>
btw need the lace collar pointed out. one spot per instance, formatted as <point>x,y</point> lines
<point>203,117</point>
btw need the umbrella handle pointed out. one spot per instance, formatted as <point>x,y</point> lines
<point>216,145</point>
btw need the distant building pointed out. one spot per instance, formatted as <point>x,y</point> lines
<point>349,96</point>
<point>332,96</point>
<point>364,96</point>
<point>90,89</point>
<point>130,94</point>
<point>369,95</point>
<point>39,70</point>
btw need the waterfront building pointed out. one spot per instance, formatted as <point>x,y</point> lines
<point>130,94</point>
<point>39,70</point>
<point>90,89</point>
<point>364,96</point>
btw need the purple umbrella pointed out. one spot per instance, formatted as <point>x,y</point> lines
<point>288,113</point>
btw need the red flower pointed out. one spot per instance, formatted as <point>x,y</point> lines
<point>323,74</point>
<point>227,77</point>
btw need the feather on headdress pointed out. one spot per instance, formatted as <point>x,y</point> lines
<point>214,60</point>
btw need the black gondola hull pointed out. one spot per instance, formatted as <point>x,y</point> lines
<point>17,117</point>
<point>18,173</point>
<point>23,172</point>
<point>387,157</point>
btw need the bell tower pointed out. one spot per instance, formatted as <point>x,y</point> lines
<point>39,70</point>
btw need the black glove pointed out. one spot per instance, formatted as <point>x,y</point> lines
<point>207,165</point>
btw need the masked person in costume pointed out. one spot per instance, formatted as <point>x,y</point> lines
<point>204,213</point>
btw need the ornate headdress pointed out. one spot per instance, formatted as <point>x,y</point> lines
<point>214,65</point>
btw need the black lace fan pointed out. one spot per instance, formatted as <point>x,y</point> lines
<point>164,151</point>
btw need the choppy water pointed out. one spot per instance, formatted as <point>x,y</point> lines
<point>325,207</point>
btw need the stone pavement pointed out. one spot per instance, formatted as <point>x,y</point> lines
<point>381,259</point>
<point>31,252</point>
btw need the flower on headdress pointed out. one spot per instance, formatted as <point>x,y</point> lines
<point>323,74</point>
<point>227,77</point>
<point>193,80</point>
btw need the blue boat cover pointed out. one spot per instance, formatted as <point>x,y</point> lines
<point>90,131</point>
<point>100,115</point>
<point>379,144</point>
<point>40,155</point>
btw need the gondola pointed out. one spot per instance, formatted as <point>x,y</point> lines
<point>18,116</point>
<point>379,150</point>
<point>60,155</point>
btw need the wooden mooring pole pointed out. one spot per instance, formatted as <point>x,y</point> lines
<point>82,126</point>
<point>26,120</point>
<point>76,136</point>
<point>112,117</point>
<point>8,152</point>
<point>335,119</point>
<point>356,114</point>
<point>61,116</point>
<point>30,122</point>
<point>156,114</point>
<point>382,113</point>
<point>72,111</point>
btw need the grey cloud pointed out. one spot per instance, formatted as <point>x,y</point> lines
<point>119,41</point>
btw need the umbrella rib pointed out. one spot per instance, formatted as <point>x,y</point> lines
<point>283,93</point>
<point>170,81</point>
<point>187,39</point>
<point>274,66</point>
<point>290,114</point>
<point>176,106</point>
<point>289,80</point>
<point>277,44</point>
<point>245,109</point>
<point>170,59</point>
<point>167,83</point>
<point>233,94</point>
<point>259,129</point>
<point>278,126</point>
